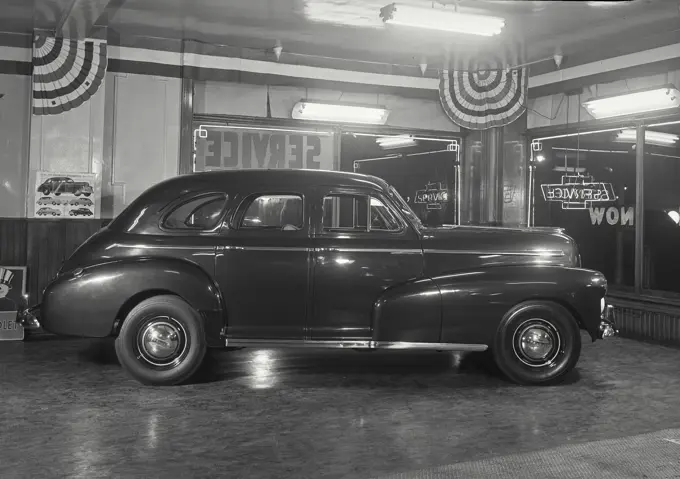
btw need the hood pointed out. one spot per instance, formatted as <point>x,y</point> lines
<point>462,247</point>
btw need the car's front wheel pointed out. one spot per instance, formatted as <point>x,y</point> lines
<point>162,341</point>
<point>537,342</point>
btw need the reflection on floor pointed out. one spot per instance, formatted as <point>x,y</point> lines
<point>68,410</point>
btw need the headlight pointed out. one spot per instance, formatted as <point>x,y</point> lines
<point>602,305</point>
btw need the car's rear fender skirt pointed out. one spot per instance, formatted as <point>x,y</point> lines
<point>88,302</point>
<point>409,312</point>
<point>474,302</point>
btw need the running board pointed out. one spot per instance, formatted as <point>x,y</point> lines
<point>353,344</point>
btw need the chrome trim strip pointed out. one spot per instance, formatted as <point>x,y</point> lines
<point>431,346</point>
<point>300,343</point>
<point>264,248</point>
<point>173,247</point>
<point>354,344</point>
<point>372,250</point>
<point>544,254</point>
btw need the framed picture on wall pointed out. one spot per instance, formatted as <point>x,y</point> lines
<point>12,290</point>
<point>65,195</point>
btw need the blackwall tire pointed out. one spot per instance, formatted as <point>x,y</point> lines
<point>147,336</point>
<point>537,342</point>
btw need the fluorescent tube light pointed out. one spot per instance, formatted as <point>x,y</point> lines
<point>634,103</point>
<point>339,113</point>
<point>392,142</point>
<point>606,4</point>
<point>658,138</point>
<point>441,19</point>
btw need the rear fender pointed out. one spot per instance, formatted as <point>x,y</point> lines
<point>88,303</point>
<point>474,302</point>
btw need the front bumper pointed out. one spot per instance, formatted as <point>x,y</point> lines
<point>29,318</point>
<point>607,326</point>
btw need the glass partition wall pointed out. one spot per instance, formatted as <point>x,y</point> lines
<point>424,170</point>
<point>661,203</point>
<point>618,197</point>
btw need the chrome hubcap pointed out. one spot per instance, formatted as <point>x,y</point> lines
<point>161,342</point>
<point>536,342</point>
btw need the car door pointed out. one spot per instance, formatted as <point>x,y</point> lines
<point>263,265</point>
<point>356,259</point>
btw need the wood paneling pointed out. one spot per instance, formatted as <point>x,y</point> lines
<point>651,322</point>
<point>50,242</point>
<point>42,245</point>
<point>13,241</point>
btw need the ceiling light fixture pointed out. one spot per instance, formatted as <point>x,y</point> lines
<point>441,19</point>
<point>610,3</point>
<point>658,138</point>
<point>393,142</point>
<point>340,113</point>
<point>634,102</point>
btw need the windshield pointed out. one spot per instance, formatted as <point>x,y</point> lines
<point>405,207</point>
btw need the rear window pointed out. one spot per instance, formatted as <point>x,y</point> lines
<point>202,213</point>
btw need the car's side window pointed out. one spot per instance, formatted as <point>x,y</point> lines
<point>382,217</point>
<point>202,213</point>
<point>343,212</point>
<point>280,212</point>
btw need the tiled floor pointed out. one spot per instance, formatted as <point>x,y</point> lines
<point>69,411</point>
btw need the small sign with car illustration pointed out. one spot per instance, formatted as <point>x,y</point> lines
<point>65,195</point>
<point>12,293</point>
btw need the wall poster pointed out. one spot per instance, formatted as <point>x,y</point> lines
<point>221,147</point>
<point>64,195</point>
<point>12,290</point>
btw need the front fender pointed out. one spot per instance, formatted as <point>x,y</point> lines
<point>409,312</point>
<point>474,302</point>
<point>87,303</point>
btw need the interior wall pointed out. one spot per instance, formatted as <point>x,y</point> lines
<point>14,140</point>
<point>563,110</point>
<point>224,98</point>
<point>70,142</point>
<point>143,135</point>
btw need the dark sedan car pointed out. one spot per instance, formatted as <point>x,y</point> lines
<point>80,212</point>
<point>303,258</point>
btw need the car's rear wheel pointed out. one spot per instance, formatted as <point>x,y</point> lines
<point>162,341</point>
<point>537,342</point>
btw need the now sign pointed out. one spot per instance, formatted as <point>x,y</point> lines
<point>235,149</point>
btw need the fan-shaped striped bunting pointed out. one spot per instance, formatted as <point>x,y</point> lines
<point>483,99</point>
<point>66,73</point>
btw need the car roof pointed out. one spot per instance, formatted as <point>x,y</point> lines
<point>243,181</point>
<point>292,177</point>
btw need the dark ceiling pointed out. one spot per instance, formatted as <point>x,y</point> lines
<point>583,31</point>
